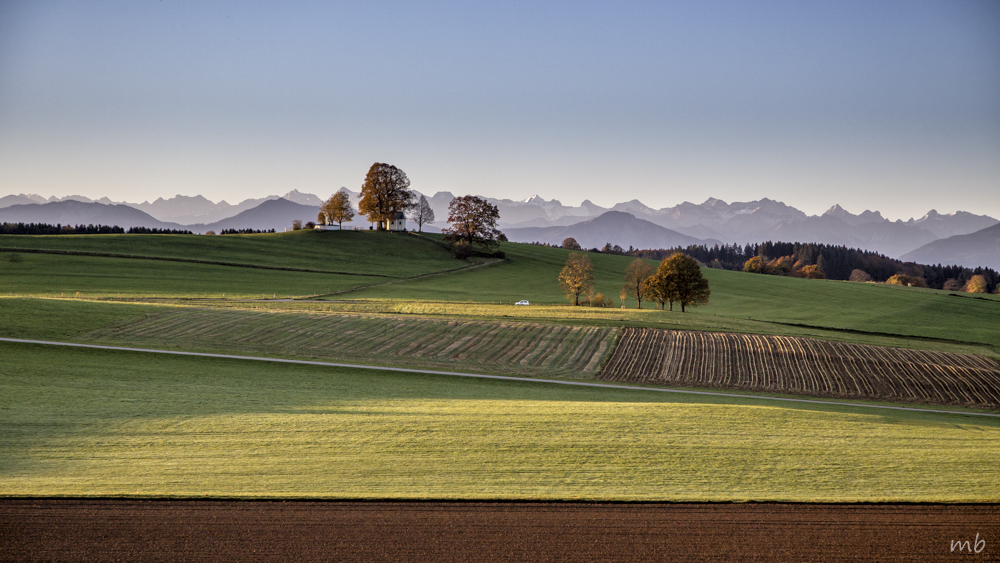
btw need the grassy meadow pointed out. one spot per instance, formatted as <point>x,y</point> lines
<point>94,422</point>
<point>397,255</point>
<point>90,422</point>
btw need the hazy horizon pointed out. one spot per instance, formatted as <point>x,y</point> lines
<point>568,204</point>
<point>886,106</point>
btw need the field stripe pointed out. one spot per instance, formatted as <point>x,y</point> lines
<point>482,376</point>
<point>803,366</point>
<point>189,260</point>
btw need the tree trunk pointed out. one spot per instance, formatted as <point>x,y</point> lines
<point>577,303</point>
<point>682,306</point>
<point>671,305</point>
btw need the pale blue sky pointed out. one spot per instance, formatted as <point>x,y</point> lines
<point>883,105</point>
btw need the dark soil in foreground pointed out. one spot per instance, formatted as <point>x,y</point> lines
<point>135,530</point>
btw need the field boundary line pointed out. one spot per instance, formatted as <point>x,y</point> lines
<point>189,260</point>
<point>483,376</point>
<point>485,263</point>
<point>874,333</point>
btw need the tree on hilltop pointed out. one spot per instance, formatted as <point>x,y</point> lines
<point>338,209</point>
<point>422,214</point>
<point>473,222</point>
<point>385,193</point>
<point>577,276</point>
<point>570,243</point>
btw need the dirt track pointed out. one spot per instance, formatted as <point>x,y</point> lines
<point>461,531</point>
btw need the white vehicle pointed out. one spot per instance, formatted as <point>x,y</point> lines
<point>523,302</point>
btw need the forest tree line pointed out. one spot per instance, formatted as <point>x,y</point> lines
<point>835,262</point>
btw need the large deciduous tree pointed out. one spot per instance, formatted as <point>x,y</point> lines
<point>677,280</point>
<point>636,273</point>
<point>338,209</point>
<point>385,193</point>
<point>422,214</point>
<point>683,280</point>
<point>473,221</point>
<point>656,288</point>
<point>577,276</point>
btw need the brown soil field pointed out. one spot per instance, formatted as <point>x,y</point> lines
<point>211,530</point>
<point>803,366</point>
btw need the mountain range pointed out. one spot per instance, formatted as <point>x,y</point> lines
<point>538,220</point>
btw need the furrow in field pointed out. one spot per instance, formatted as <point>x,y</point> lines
<point>804,366</point>
<point>507,347</point>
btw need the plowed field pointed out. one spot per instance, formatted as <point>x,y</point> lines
<point>804,366</point>
<point>492,347</point>
<point>127,530</point>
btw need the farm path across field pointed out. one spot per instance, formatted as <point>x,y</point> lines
<point>503,377</point>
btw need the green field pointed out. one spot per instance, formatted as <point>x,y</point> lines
<point>48,275</point>
<point>87,422</point>
<point>92,422</point>
<point>797,304</point>
<point>358,252</point>
<point>549,350</point>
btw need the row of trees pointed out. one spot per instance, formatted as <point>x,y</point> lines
<point>386,194</point>
<point>678,279</point>
<point>60,229</point>
<point>830,261</point>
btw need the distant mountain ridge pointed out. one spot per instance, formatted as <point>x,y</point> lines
<point>978,249</point>
<point>614,227</point>
<point>712,220</point>
<point>73,212</point>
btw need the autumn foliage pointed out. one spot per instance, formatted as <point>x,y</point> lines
<point>473,222</point>
<point>677,280</point>
<point>385,193</point>
<point>577,276</point>
<point>635,275</point>
<point>337,209</point>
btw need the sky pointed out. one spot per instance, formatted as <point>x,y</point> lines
<point>883,105</point>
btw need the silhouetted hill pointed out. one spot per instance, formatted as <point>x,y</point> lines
<point>276,214</point>
<point>71,212</point>
<point>981,248</point>
<point>616,227</point>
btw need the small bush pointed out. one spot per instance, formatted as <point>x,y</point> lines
<point>310,225</point>
<point>951,284</point>
<point>297,225</point>
<point>461,250</point>
<point>812,272</point>
<point>910,281</point>
<point>780,266</point>
<point>860,276</point>
<point>755,265</point>
<point>599,300</point>
<point>976,284</point>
